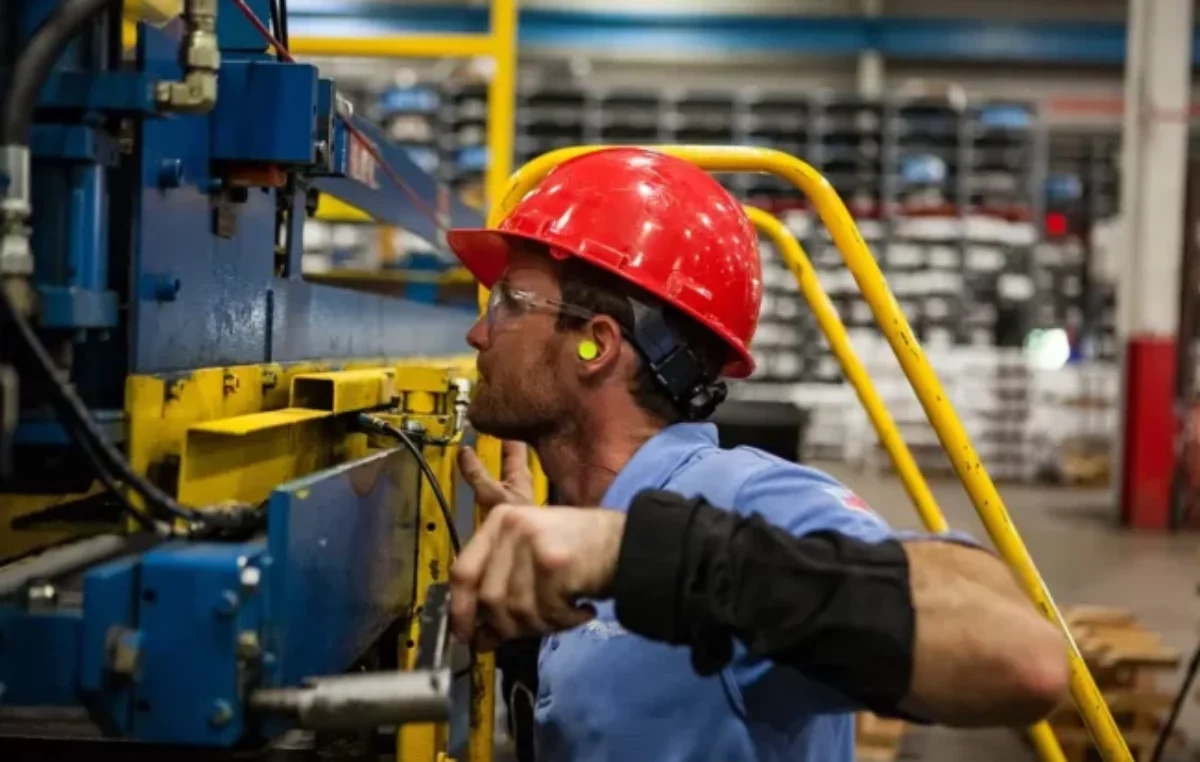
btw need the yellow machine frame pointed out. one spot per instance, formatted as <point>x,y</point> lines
<point>891,320</point>
<point>237,432</point>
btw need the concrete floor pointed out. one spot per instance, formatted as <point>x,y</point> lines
<point>1085,559</point>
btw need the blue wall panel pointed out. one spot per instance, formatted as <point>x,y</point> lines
<point>1096,43</point>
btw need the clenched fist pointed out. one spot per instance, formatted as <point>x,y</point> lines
<point>525,570</point>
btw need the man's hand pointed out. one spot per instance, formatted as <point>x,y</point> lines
<point>525,569</point>
<point>516,480</point>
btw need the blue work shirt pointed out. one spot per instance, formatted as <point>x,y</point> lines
<point>606,695</point>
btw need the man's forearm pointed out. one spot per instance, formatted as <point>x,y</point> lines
<point>833,607</point>
<point>924,629</point>
<point>976,628</point>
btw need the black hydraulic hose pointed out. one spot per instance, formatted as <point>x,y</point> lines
<point>377,425</point>
<point>95,442</point>
<point>37,59</point>
<point>276,24</point>
<point>283,23</point>
<point>118,490</point>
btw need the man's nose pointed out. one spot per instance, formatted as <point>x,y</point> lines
<point>478,335</point>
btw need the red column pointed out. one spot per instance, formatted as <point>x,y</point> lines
<point>1149,425</point>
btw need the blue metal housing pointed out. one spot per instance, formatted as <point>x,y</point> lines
<point>257,116</point>
<point>158,250</point>
<point>251,314</point>
<point>202,624</point>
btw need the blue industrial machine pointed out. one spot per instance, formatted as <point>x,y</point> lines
<point>223,518</point>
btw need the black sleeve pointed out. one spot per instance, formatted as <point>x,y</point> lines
<point>833,607</point>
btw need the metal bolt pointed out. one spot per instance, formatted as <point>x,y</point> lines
<point>410,426</point>
<point>222,713</point>
<point>231,383</point>
<point>124,651</point>
<point>270,379</point>
<point>227,604</point>
<point>251,576</point>
<point>248,645</point>
<point>41,594</point>
<point>170,174</point>
<point>166,288</point>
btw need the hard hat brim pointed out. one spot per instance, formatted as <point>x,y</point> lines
<point>485,254</point>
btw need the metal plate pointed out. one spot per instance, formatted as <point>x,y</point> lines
<point>343,548</point>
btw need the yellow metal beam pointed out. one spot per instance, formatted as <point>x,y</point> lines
<point>245,458</point>
<point>406,46</point>
<point>502,98</point>
<point>344,391</point>
<point>330,209</point>
<point>831,326</point>
<point>892,321</point>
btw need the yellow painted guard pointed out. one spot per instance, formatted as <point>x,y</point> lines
<point>895,326</point>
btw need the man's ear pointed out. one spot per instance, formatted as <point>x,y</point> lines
<point>598,347</point>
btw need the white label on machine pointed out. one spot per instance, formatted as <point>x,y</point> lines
<point>362,165</point>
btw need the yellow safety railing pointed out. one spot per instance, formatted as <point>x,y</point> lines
<point>891,320</point>
<point>500,44</point>
<point>831,326</point>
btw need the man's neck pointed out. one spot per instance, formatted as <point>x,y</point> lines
<point>582,463</point>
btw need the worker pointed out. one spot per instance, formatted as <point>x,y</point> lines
<point>624,287</point>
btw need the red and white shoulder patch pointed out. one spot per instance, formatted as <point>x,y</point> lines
<point>849,499</point>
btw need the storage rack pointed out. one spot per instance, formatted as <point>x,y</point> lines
<point>1082,192</point>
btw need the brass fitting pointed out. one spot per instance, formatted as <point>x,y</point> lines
<point>200,58</point>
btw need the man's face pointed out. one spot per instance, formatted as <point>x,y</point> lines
<point>520,395</point>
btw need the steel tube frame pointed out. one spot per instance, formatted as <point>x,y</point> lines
<point>891,320</point>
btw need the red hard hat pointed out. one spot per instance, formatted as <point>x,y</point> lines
<point>660,222</point>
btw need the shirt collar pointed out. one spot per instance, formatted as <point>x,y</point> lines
<point>657,460</point>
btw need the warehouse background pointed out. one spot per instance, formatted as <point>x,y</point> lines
<point>977,141</point>
<point>979,145</point>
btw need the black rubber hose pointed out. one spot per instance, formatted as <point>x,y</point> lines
<point>276,24</point>
<point>37,59</point>
<point>160,504</point>
<point>283,23</point>
<point>383,427</point>
<point>117,489</point>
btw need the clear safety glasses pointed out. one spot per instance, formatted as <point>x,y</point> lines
<point>506,302</point>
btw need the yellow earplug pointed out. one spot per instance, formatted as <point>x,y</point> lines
<point>588,350</point>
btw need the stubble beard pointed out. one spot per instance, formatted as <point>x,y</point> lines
<point>519,421</point>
